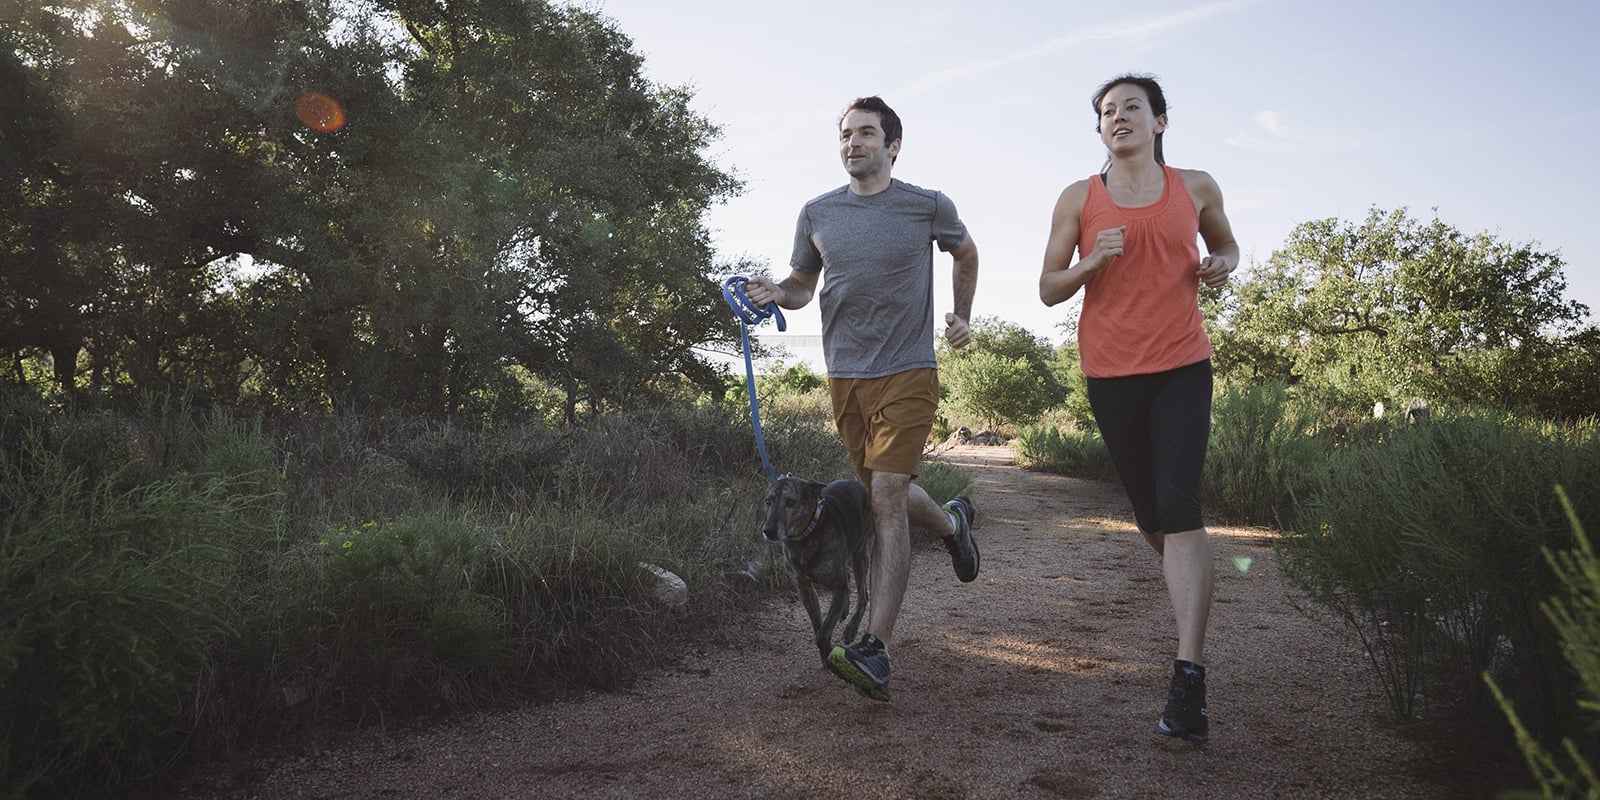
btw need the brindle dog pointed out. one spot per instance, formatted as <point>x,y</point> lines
<point>824,530</point>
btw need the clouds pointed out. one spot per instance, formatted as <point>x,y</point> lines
<point>1273,132</point>
<point>1128,33</point>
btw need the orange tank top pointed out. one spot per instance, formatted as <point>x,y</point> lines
<point>1141,313</point>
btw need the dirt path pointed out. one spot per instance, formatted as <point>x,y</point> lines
<point>1042,679</point>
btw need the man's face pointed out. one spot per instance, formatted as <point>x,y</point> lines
<point>861,144</point>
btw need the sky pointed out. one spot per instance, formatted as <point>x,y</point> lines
<point>1481,113</point>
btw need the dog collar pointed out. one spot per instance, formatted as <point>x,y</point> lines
<point>811,527</point>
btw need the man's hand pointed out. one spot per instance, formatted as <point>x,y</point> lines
<point>956,331</point>
<point>762,291</point>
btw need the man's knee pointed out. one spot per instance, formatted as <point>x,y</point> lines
<point>889,492</point>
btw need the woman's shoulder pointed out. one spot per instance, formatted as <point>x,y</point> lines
<point>1201,186</point>
<point>1196,179</point>
<point>1075,193</point>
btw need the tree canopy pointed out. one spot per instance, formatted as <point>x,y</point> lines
<point>369,204</point>
<point>1394,308</point>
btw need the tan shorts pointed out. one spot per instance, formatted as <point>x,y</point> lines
<point>885,422</point>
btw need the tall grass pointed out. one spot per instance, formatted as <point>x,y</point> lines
<point>175,584</point>
<point>1575,612</point>
<point>111,598</point>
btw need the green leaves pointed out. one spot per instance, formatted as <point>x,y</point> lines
<point>1007,376</point>
<point>506,189</point>
<point>1394,308</point>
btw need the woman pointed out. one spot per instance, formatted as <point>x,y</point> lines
<point>1143,349</point>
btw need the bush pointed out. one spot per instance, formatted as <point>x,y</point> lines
<point>1006,377</point>
<point>1261,451</point>
<point>1080,454</point>
<point>943,480</point>
<point>1576,615</point>
<point>1427,542</point>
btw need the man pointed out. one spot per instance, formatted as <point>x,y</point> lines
<point>871,240</point>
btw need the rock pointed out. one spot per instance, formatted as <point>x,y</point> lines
<point>988,438</point>
<point>668,589</point>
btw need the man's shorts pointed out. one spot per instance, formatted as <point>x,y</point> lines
<point>885,422</point>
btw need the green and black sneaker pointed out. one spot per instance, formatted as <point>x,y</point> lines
<point>963,548</point>
<point>865,665</point>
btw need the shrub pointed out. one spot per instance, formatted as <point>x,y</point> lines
<point>1260,454</point>
<point>1427,542</point>
<point>224,585</point>
<point>1576,615</point>
<point>942,480</point>
<point>1006,377</point>
<point>1081,454</point>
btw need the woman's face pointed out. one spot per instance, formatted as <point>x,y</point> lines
<point>1126,120</point>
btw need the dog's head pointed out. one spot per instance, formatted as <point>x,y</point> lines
<point>790,504</point>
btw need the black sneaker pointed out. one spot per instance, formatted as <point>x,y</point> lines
<point>1185,716</point>
<point>963,548</point>
<point>865,665</point>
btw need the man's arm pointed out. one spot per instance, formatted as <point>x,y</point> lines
<point>965,278</point>
<point>792,292</point>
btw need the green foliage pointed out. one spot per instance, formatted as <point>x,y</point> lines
<point>943,480</point>
<point>225,584</point>
<point>1576,615</point>
<point>1076,383</point>
<point>113,595</point>
<point>507,192</point>
<point>797,379</point>
<point>1262,449</point>
<point>1425,542</point>
<point>1006,376</point>
<point>1394,308</point>
<point>1079,453</point>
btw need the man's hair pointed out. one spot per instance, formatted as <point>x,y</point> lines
<point>889,120</point>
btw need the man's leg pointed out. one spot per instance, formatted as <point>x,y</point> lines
<point>891,553</point>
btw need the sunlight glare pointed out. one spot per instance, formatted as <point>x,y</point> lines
<point>320,112</point>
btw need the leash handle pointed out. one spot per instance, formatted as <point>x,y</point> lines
<point>747,312</point>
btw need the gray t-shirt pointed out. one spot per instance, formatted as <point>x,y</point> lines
<point>877,287</point>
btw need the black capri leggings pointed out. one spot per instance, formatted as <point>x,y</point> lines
<point>1155,427</point>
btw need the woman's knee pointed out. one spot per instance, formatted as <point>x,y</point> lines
<point>1179,514</point>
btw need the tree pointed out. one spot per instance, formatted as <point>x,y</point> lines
<point>502,190</point>
<point>1391,308</point>
<point>1006,376</point>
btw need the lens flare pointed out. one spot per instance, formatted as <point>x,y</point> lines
<point>320,112</point>
<point>1243,563</point>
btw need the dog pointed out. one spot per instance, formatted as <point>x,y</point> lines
<point>824,530</point>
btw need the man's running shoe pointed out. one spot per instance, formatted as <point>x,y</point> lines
<point>865,665</point>
<point>1185,716</point>
<point>963,548</point>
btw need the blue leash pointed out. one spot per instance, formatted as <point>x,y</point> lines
<point>749,314</point>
